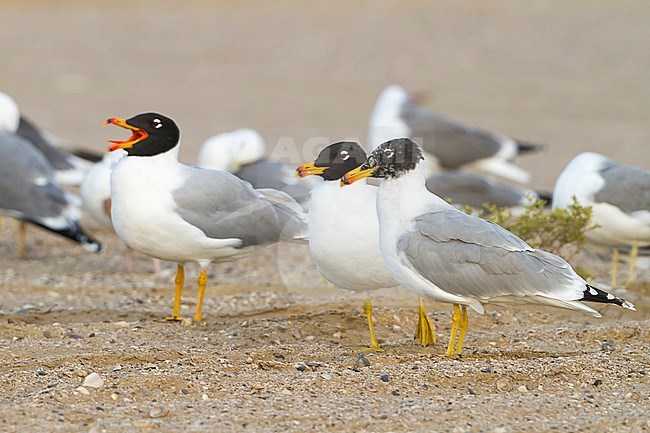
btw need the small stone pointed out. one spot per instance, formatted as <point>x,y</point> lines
<point>81,373</point>
<point>158,411</point>
<point>285,391</point>
<point>121,324</point>
<point>503,385</point>
<point>310,338</point>
<point>249,360</point>
<point>395,393</point>
<point>82,390</point>
<point>360,363</point>
<point>41,372</point>
<point>93,380</point>
<point>499,430</point>
<point>337,334</point>
<point>471,391</point>
<point>384,378</point>
<point>326,376</point>
<point>301,367</point>
<point>486,369</point>
<point>204,397</point>
<point>522,388</point>
<point>187,322</point>
<point>118,367</point>
<point>598,382</point>
<point>114,396</point>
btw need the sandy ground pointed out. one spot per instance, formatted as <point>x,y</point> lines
<point>280,350</point>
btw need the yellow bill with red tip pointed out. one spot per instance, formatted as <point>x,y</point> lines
<point>137,135</point>
<point>356,174</point>
<point>309,169</point>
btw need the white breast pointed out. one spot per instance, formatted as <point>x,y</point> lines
<point>344,236</point>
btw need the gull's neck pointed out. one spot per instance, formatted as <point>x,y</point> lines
<point>405,197</point>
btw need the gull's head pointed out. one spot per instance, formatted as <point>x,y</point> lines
<point>151,134</point>
<point>334,161</point>
<point>247,147</point>
<point>391,159</point>
<point>9,113</point>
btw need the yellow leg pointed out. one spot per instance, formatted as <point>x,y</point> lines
<point>180,281</point>
<point>614,266</point>
<point>633,256</point>
<point>203,281</point>
<point>367,308</point>
<point>22,233</point>
<point>455,322</point>
<point>424,330</point>
<point>464,323</point>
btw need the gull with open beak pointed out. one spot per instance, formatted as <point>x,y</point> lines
<point>180,213</point>
<point>448,256</point>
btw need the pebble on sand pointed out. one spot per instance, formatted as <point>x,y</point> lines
<point>93,380</point>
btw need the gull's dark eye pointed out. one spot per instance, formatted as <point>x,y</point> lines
<point>156,123</point>
<point>388,153</point>
<point>344,154</point>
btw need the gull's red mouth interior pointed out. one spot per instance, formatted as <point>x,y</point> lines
<point>136,135</point>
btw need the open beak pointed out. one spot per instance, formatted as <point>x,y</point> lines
<point>356,174</point>
<point>137,135</point>
<point>309,169</point>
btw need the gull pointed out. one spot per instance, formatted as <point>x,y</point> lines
<point>242,152</point>
<point>344,231</point>
<point>451,143</point>
<point>475,190</point>
<point>448,256</point>
<point>30,193</point>
<point>619,196</point>
<point>179,213</point>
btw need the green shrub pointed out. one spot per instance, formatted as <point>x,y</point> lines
<point>558,231</point>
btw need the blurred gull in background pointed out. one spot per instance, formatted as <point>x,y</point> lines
<point>453,144</point>
<point>619,196</point>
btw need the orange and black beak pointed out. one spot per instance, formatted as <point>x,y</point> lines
<point>137,135</point>
<point>356,174</point>
<point>309,169</point>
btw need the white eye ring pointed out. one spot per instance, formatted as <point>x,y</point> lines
<point>345,155</point>
<point>388,153</point>
<point>157,123</point>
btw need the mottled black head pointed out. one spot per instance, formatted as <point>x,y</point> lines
<point>394,158</point>
<point>334,161</point>
<point>152,134</point>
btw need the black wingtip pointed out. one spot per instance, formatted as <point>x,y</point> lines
<point>77,234</point>
<point>528,147</point>
<point>592,294</point>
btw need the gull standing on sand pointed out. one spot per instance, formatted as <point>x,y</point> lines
<point>182,214</point>
<point>619,196</point>
<point>448,256</point>
<point>451,143</point>
<point>242,152</point>
<point>344,231</point>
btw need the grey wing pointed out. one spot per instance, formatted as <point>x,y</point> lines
<point>267,173</point>
<point>473,189</point>
<point>57,158</point>
<point>626,187</point>
<point>27,186</point>
<point>223,207</point>
<point>452,143</point>
<point>467,256</point>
